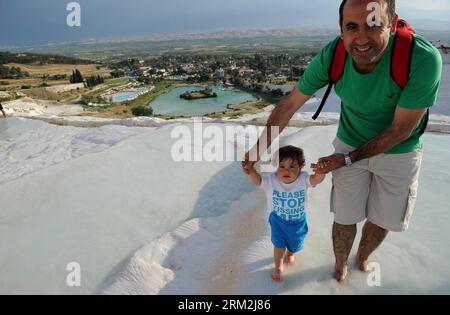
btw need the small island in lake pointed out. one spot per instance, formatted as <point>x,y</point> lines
<point>206,93</point>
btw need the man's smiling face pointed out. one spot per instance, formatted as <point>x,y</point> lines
<point>364,43</point>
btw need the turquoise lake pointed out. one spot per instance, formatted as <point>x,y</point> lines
<point>170,103</point>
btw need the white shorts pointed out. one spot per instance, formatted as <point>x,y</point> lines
<point>382,189</point>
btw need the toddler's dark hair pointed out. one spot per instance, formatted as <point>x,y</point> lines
<point>291,152</point>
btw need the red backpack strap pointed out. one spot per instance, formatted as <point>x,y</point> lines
<point>402,53</point>
<point>401,59</point>
<point>338,63</point>
<point>335,72</point>
<point>402,25</point>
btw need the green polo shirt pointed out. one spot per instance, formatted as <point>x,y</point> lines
<point>369,100</point>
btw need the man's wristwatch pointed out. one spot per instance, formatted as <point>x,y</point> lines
<point>348,160</point>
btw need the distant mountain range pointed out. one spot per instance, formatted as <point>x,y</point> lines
<point>440,32</point>
<point>219,35</point>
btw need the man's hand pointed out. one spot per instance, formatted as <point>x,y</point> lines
<point>405,120</point>
<point>328,164</point>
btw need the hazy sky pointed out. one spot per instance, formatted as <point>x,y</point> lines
<point>425,5</point>
<point>42,21</point>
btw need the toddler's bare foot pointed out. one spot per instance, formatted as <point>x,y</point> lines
<point>289,259</point>
<point>340,273</point>
<point>277,275</point>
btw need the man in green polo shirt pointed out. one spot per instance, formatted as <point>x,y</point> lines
<point>378,148</point>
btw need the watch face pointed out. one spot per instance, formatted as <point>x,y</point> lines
<point>348,161</point>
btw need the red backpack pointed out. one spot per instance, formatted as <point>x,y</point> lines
<point>401,55</point>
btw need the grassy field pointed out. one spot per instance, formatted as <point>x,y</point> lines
<point>44,94</point>
<point>72,96</point>
<point>117,82</point>
<point>17,84</point>
<point>54,69</point>
<point>37,71</point>
<point>241,109</point>
<point>100,90</point>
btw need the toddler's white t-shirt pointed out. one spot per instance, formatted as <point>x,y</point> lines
<point>288,201</point>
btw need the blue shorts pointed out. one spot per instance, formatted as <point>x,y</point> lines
<point>290,235</point>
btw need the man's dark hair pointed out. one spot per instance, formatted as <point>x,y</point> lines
<point>291,152</point>
<point>390,9</point>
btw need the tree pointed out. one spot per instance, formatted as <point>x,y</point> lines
<point>76,77</point>
<point>93,81</point>
<point>277,93</point>
<point>142,111</point>
<point>12,73</point>
<point>117,73</point>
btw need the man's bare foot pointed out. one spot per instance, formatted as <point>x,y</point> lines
<point>340,273</point>
<point>277,275</point>
<point>289,259</point>
<point>362,263</point>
